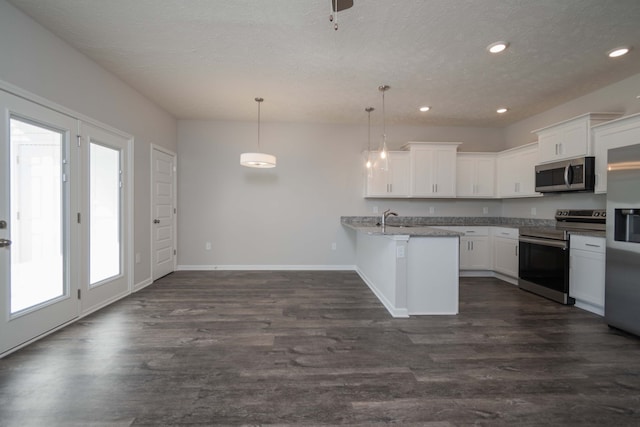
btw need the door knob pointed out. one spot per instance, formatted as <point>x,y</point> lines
<point>4,243</point>
<point>156,221</point>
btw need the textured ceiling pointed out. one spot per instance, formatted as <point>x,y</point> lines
<point>209,59</point>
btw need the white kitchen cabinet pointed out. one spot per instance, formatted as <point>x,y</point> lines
<point>475,249</point>
<point>476,175</point>
<point>505,250</point>
<point>516,171</point>
<point>433,169</point>
<point>571,138</point>
<point>392,181</point>
<point>613,134</point>
<point>587,272</point>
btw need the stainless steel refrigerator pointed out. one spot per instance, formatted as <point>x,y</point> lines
<point>622,286</point>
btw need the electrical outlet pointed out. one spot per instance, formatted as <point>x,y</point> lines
<point>400,252</point>
<point>375,209</point>
<point>534,211</point>
<point>485,210</point>
<point>432,210</point>
<point>334,246</point>
<point>207,246</point>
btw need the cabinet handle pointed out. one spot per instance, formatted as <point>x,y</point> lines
<point>436,188</point>
<point>390,188</point>
<point>592,245</point>
<point>471,244</point>
<point>504,234</point>
<point>516,250</point>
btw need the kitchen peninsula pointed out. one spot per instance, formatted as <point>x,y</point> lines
<point>412,269</point>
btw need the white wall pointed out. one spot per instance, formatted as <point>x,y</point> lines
<point>35,60</point>
<point>618,97</point>
<point>289,215</point>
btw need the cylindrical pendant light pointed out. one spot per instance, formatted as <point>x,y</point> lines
<point>368,163</point>
<point>383,149</point>
<point>258,160</point>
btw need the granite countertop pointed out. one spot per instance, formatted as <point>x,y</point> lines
<point>427,226</point>
<point>403,230</point>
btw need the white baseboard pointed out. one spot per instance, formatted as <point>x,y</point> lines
<point>267,267</point>
<point>395,312</point>
<point>143,284</point>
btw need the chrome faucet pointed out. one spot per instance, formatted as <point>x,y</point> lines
<point>386,214</point>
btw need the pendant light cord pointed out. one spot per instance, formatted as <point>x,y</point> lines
<point>259,101</point>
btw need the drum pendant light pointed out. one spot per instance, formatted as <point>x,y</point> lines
<point>258,160</point>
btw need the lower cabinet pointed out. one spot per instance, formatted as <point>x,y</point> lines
<point>475,248</point>
<point>587,272</point>
<point>505,251</point>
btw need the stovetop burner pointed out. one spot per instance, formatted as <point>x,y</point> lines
<point>569,220</point>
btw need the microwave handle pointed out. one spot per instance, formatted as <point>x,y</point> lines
<point>568,175</point>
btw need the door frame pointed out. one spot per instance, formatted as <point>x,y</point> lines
<point>174,183</point>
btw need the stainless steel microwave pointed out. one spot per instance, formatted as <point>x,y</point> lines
<point>566,175</point>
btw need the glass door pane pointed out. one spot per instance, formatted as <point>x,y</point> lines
<point>104,194</point>
<point>36,176</point>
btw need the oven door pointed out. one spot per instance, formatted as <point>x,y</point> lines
<point>543,266</point>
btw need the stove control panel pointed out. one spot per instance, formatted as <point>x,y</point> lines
<point>581,215</point>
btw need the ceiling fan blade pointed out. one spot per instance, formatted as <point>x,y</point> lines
<point>340,5</point>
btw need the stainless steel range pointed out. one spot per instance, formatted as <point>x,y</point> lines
<point>544,252</point>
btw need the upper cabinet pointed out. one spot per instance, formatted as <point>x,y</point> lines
<point>476,175</point>
<point>388,178</point>
<point>516,171</point>
<point>571,138</point>
<point>613,134</point>
<point>432,169</point>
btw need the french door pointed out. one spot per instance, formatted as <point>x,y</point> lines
<point>39,195</point>
<point>105,196</point>
<point>65,213</point>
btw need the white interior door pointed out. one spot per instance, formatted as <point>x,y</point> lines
<point>163,201</point>
<point>106,263</point>
<point>38,199</point>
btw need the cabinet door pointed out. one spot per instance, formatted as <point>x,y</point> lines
<point>398,176</point>
<point>422,175</point>
<point>485,177</point>
<point>587,277</point>
<point>465,177</point>
<point>505,256</point>
<point>507,172</point>
<point>445,172</point>
<point>575,140</point>
<point>615,135</point>
<point>377,178</point>
<point>474,253</point>
<point>526,170</point>
<point>516,172</point>
<point>548,145</point>
<point>564,141</point>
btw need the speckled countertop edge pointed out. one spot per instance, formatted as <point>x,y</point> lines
<point>433,221</point>
<point>427,226</point>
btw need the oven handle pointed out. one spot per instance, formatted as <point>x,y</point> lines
<point>544,242</point>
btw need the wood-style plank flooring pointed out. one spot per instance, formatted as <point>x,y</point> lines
<point>317,348</point>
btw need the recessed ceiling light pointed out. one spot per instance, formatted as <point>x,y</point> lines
<point>425,109</point>
<point>619,51</point>
<point>497,47</point>
<point>501,110</point>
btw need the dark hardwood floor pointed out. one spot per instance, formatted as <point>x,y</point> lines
<point>317,348</point>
